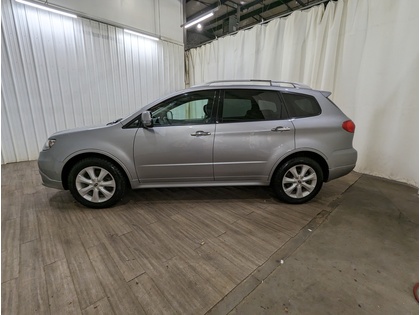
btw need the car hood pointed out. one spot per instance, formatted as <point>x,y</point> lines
<point>79,129</point>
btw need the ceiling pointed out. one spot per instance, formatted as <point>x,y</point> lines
<point>233,15</point>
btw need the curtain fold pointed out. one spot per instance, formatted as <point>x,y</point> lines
<point>364,51</point>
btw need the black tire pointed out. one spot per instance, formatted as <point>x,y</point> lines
<point>298,180</point>
<point>96,183</point>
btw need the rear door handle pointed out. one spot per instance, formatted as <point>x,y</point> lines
<point>200,133</point>
<point>281,128</point>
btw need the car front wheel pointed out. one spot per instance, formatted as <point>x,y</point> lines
<point>298,180</point>
<point>96,183</point>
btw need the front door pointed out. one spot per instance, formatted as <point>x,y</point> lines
<point>179,146</point>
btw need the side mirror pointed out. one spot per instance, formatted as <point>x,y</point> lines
<point>146,119</point>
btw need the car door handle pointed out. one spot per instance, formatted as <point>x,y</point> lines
<point>200,133</point>
<point>281,128</point>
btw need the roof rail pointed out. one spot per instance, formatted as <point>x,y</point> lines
<point>294,84</point>
<point>268,82</point>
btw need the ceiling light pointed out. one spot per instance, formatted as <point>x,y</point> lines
<point>42,7</point>
<point>199,26</point>
<point>141,34</point>
<point>198,20</point>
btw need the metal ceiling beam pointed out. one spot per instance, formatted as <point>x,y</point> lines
<point>206,10</point>
<point>224,16</point>
<point>251,4</point>
<point>207,34</point>
<point>288,6</point>
<point>258,11</point>
<point>233,12</point>
<point>266,7</point>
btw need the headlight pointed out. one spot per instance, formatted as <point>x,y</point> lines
<point>48,145</point>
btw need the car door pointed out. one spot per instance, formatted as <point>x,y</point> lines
<point>252,133</point>
<point>179,146</point>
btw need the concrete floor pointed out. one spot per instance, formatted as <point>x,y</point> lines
<point>158,251</point>
<point>363,259</point>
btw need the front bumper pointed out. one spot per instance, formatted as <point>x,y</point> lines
<point>50,170</point>
<point>51,183</point>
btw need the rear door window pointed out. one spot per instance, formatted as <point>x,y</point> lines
<point>241,105</point>
<point>301,105</point>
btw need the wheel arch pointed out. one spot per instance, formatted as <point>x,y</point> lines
<point>73,160</point>
<point>309,154</point>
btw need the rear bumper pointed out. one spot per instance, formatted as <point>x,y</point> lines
<point>339,171</point>
<point>341,163</point>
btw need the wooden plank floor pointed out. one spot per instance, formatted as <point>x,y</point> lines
<point>160,251</point>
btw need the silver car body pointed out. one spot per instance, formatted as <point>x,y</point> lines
<point>211,154</point>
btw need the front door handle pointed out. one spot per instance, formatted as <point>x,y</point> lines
<point>200,133</point>
<point>281,128</point>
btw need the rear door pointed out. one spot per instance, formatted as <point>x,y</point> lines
<point>252,133</point>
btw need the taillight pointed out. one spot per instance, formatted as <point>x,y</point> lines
<point>349,126</point>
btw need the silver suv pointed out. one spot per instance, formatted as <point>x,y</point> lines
<point>222,133</point>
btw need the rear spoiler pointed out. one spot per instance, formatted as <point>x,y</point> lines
<point>325,93</point>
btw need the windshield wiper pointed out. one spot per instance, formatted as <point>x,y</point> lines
<point>114,122</point>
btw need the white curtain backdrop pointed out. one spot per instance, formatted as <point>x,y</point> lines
<point>59,73</point>
<point>364,51</point>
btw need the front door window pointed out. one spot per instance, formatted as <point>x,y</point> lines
<point>189,109</point>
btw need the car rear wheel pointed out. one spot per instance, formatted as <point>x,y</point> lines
<point>96,183</point>
<point>298,180</point>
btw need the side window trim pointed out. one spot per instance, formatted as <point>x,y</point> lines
<point>133,124</point>
<point>219,111</point>
<point>215,108</point>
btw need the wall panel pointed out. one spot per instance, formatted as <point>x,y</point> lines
<point>155,17</point>
<point>59,73</point>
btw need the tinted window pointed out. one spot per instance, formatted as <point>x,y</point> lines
<point>301,105</point>
<point>249,105</point>
<point>187,109</point>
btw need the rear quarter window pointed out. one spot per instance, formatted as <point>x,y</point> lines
<point>301,105</point>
